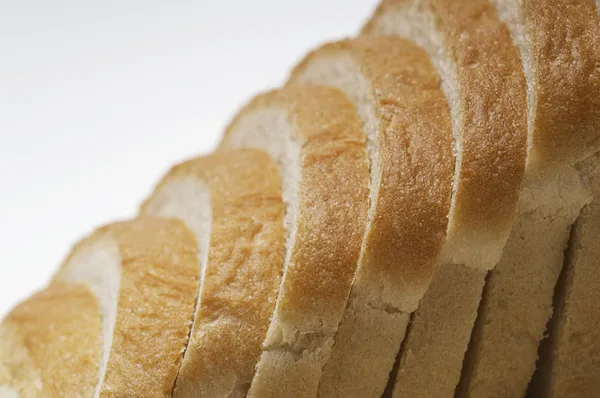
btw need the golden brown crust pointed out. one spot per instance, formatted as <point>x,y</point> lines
<point>50,344</point>
<point>158,290</point>
<point>565,41</point>
<point>330,226</point>
<point>242,277</point>
<point>492,118</point>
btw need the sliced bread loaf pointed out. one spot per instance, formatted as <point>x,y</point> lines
<point>232,201</point>
<point>559,43</point>
<point>407,121</point>
<point>316,137</point>
<point>144,274</point>
<point>50,344</point>
<point>481,76</point>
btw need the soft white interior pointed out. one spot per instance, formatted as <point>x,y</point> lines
<point>598,6</point>
<point>187,199</point>
<point>342,72</point>
<point>511,13</point>
<point>419,27</point>
<point>8,392</point>
<point>97,263</point>
<point>269,129</point>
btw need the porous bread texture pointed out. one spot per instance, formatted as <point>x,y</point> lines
<point>148,313</point>
<point>569,358</point>
<point>406,118</point>
<point>562,48</point>
<point>481,75</point>
<point>48,339</point>
<point>315,136</point>
<point>232,201</point>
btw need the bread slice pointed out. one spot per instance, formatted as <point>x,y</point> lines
<point>50,344</point>
<point>316,137</point>
<point>569,362</point>
<point>481,76</point>
<point>144,274</point>
<point>559,43</point>
<point>569,358</point>
<point>407,121</point>
<point>232,201</point>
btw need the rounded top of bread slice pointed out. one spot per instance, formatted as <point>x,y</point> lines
<point>144,274</point>
<point>50,344</point>
<point>232,201</point>
<point>316,138</point>
<point>482,77</point>
<point>406,118</point>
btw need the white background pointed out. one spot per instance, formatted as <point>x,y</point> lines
<point>99,98</point>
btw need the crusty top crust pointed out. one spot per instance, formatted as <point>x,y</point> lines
<point>490,112</point>
<point>409,216</point>
<point>330,222</point>
<point>242,277</point>
<point>50,344</point>
<point>565,38</point>
<point>159,286</point>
